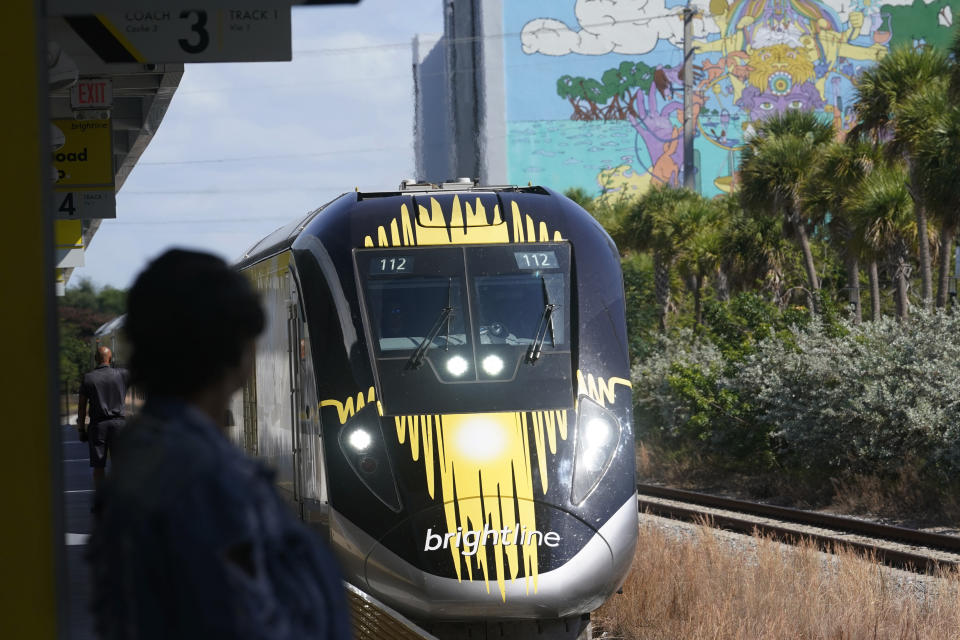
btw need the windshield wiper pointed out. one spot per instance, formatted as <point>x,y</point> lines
<point>445,318</point>
<point>543,326</point>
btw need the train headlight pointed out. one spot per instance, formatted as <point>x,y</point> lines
<point>457,366</point>
<point>359,439</point>
<point>598,436</point>
<point>362,444</point>
<point>479,439</point>
<point>492,365</point>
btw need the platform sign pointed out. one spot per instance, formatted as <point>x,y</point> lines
<point>89,204</point>
<point>76,7</point>
<point>86,157</point>
<point>187,35</point>
<point>68,242</point>
<point>84,187</point>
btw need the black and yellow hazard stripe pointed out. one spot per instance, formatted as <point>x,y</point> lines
<point>104,38</point>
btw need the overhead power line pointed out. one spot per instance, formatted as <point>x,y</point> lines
<point>274,219</point>
<point>278,156</point>
<point>225,191</point>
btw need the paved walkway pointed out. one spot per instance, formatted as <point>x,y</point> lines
<point>78,496</point>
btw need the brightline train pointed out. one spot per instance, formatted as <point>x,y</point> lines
<point>443,389</point>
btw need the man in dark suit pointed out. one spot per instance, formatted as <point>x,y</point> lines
<point>104,389</point>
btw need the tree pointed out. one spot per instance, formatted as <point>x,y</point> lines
<point>776,164</point>
<point>596,94</point>
<point>81,296</point>
<point>618,86</point>
<point>753,251</point>
<point>931,118</point>
<point>839,172</point>
<point>82,310</point>
<point>661,221</point>
<point>881,94</point>
<point>571,89</point>
<point>883,208</point>
<point>701,254</point>
<point>85,295</point>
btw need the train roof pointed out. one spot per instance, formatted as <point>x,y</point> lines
<point>281,238</point>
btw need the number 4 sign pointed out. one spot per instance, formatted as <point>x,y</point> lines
<point>88,204</point>
<point>187,35</point>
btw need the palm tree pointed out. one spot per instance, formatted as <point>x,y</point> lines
<point>660,221</point>
<point>932,119</point>
<point>883,208</point>
<point>753,251</point>
<point>776,164</point>
<point>881,93</point>
<point>701,252</point>
<point>838,173</point>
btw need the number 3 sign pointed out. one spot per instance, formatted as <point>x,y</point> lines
<point>189,35</point>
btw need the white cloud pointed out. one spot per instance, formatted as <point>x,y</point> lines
<point>613,26</point>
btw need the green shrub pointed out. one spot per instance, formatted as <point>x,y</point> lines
<point>814,397</point>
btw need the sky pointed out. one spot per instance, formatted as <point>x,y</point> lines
<point>245,148</point>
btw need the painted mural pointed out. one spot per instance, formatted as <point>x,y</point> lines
<point>594,87</point>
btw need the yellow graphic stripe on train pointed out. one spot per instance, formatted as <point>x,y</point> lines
<point>485,467</point>
<point>349,408</point>
<point>469,223</point>
<point>482,455</point>
<point>599,390</point>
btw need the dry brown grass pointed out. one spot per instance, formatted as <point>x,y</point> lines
<point>701,587</point>
<point>904,497</point>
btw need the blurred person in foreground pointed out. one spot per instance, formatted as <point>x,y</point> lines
<point>104,389</point>
<point>191,539</point>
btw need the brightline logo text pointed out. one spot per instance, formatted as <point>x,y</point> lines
<point>472,540</point>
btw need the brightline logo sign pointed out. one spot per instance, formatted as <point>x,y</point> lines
<point>472,540</point>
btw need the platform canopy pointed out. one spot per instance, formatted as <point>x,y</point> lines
<point>114,67</point>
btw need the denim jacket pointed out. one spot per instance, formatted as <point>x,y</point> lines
<point>192,541</point>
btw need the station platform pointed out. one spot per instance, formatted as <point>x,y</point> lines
<point>371,619</point>
<point>78,522</point>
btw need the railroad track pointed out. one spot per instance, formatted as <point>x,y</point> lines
<point>900,547</point>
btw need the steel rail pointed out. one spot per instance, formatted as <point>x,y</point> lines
<point>781,532</point>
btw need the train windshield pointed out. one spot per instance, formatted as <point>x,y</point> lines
<point>406,311</point>
<point>468,328</point>
<point>511,308</point>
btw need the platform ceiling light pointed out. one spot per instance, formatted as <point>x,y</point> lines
<point>457,366</point>
<point>360,440</point>
<point>492,365</point>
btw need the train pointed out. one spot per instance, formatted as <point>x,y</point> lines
<point>443,390</point>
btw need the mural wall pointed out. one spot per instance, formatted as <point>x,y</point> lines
<point>594,89</point>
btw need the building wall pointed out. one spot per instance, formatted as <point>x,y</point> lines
<point>594,88</point>
<point>592,93</point>
<point>431,128</point>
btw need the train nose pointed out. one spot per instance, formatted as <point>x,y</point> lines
<point>540,560</point>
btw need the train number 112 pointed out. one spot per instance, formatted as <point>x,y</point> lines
<point>397,264</point>
<point>539,260</point>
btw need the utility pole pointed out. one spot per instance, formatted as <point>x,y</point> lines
<point>688,165</point>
